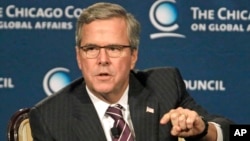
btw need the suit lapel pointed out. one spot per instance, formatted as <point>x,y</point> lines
<point>85,118</point>
<point>146,123</point>
<point>143,110</point>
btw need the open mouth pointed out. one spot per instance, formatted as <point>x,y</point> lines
<point>103,74</point>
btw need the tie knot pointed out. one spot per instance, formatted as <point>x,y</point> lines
<point>115,112</point>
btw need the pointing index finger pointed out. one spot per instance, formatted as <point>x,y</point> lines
<point>165,118</point>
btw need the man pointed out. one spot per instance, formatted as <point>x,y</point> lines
<point>154,104</point>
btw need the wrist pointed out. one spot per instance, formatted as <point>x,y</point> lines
<point>201,135</point>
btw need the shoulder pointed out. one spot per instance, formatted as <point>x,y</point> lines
<point>164,84</point>
<point>160,77</point>
<point>157,73</point>
<point>64,95</point>
<point>156,70</point>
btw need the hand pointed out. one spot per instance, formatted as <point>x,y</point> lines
<point>185,122</point>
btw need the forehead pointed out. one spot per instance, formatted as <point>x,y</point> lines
<point>108,29</point>
<point>110,23</point>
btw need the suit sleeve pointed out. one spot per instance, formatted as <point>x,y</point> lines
<point>38,127</point>
<point>187,101</point>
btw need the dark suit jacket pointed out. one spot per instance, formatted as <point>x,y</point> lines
<point>69,115</point>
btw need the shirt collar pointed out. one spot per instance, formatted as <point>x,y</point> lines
<point>102,106</point>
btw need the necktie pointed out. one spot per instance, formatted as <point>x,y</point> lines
<point>123,129</point>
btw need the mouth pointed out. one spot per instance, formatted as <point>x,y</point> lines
<point>103,76</point>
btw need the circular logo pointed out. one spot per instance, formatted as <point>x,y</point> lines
<point>166,14</point>
<point>163,15</point>
<point>55,79</point>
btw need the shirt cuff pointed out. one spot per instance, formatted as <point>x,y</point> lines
<point>219,131</point>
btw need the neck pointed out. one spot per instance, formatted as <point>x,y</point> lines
<point>109,97</point>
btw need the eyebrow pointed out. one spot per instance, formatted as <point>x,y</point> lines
<point>91,44</point>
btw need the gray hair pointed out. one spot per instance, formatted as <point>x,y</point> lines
<point>106,11</point>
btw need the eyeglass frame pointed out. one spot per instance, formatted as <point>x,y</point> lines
<point>119,47</point>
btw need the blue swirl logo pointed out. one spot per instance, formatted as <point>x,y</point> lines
<point>163,15</point>
<point>55,80</point>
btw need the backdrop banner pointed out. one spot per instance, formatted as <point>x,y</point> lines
<point>207,40</point>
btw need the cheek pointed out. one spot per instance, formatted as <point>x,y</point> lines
<point>86,70</point>
<point>85,66</point>
<point>82,63</point>
<point>125,68</point>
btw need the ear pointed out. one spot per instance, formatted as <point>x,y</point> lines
<point>78,57</point>
<point>134,57</point>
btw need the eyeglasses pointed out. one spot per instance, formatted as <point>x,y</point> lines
<point>113,51</point>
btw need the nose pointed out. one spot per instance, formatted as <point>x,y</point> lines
<point>103,58</point>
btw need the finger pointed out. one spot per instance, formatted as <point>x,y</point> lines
<point>168,116</point>
<point>190,121</point>
<point>175,131</point>
<point>174,117</point>
<point>182,122</point>
<point>165,119</point>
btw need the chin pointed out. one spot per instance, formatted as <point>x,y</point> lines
<point>103,90</point>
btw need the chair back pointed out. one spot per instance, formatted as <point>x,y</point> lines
<point>19,126</point>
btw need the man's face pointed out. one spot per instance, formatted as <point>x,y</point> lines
<point>106,76</point>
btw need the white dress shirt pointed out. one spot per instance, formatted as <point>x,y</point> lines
<point>108,122</point>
